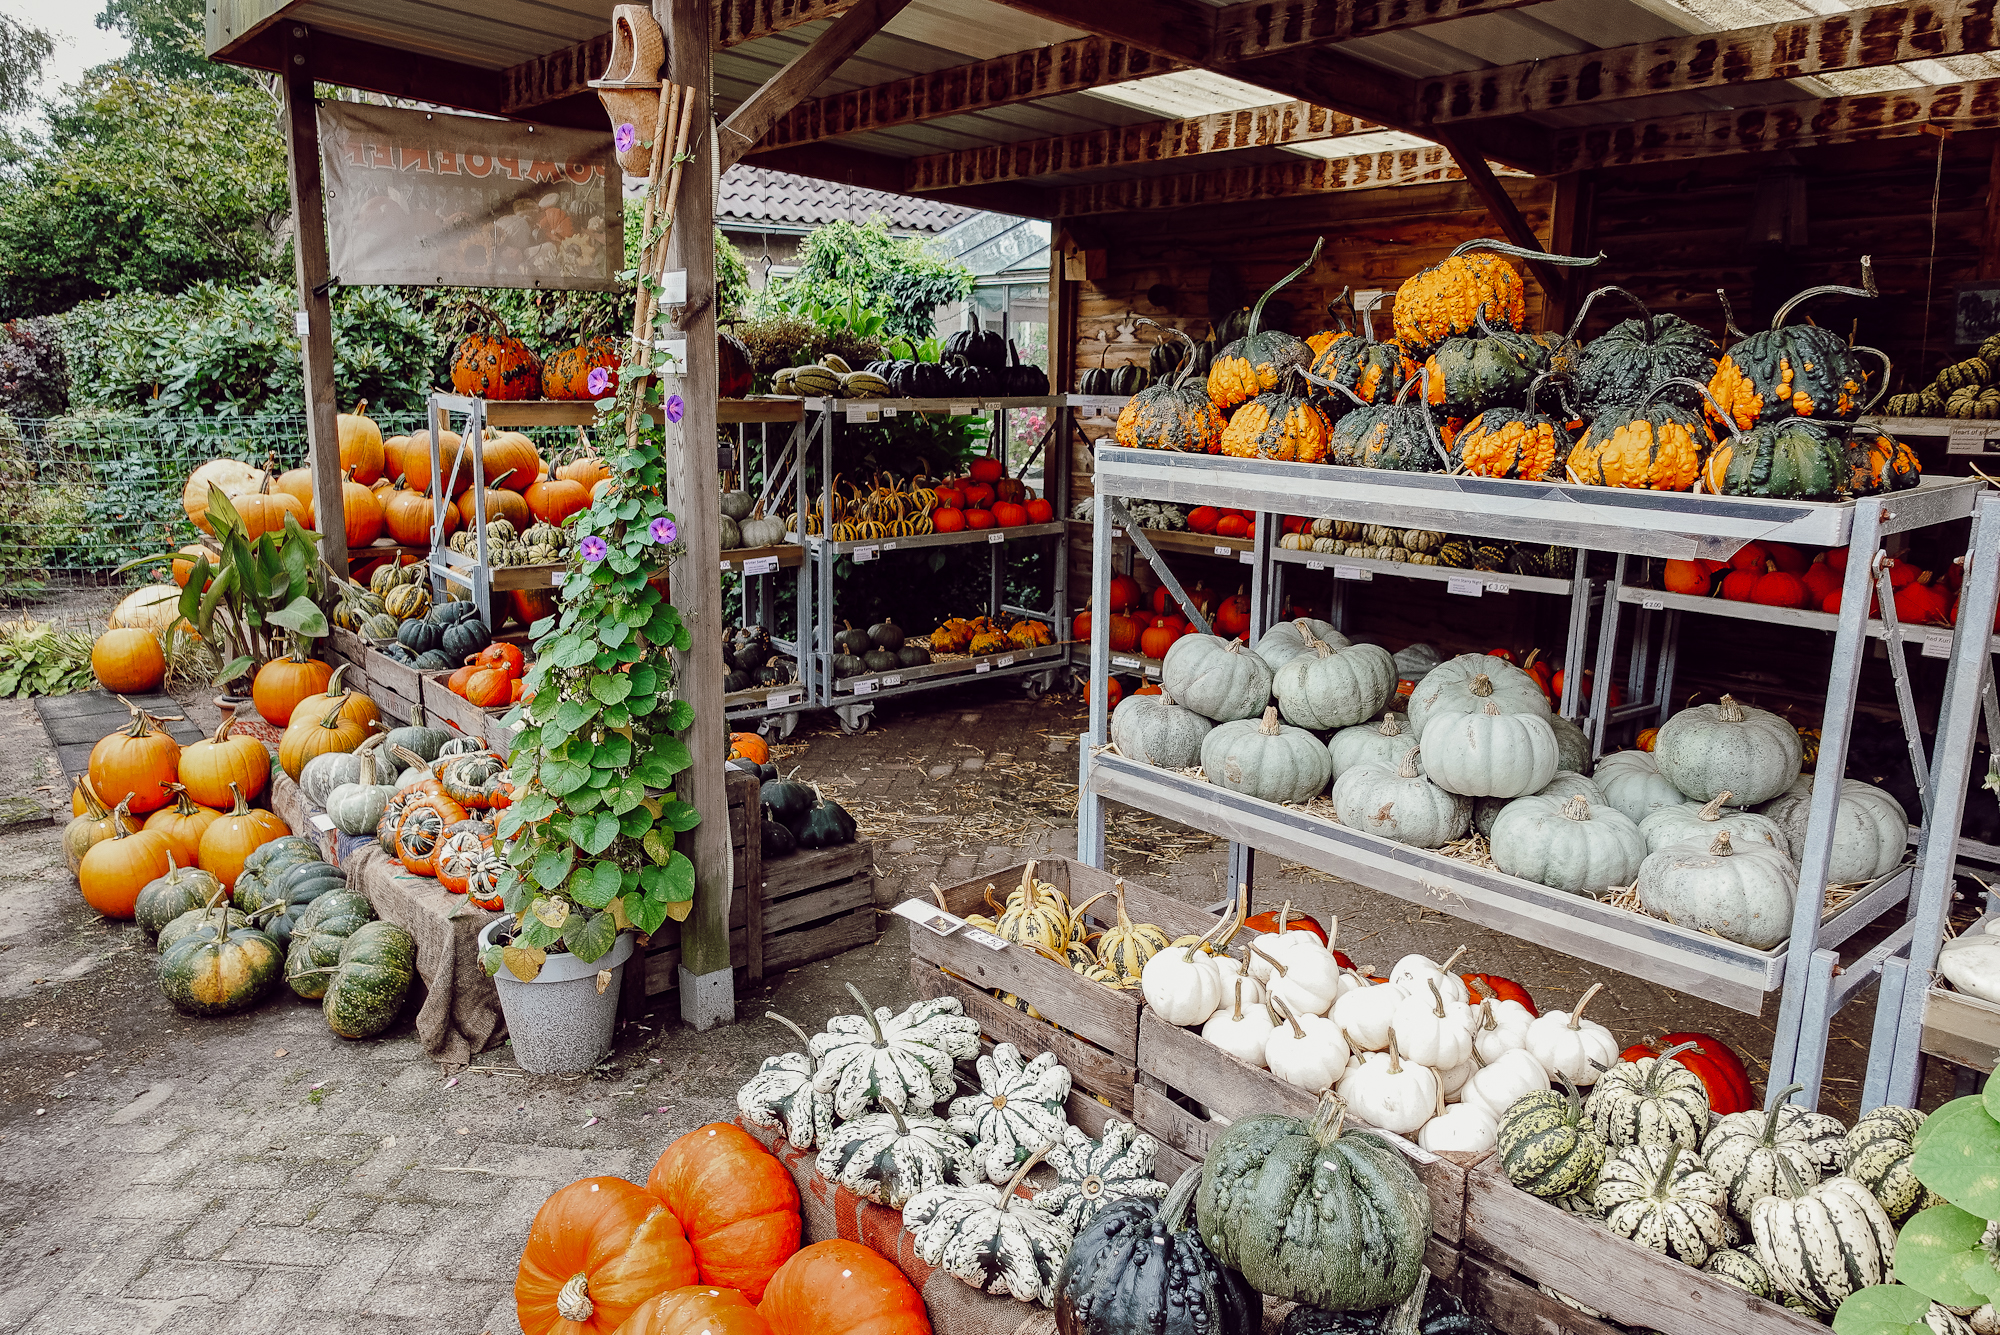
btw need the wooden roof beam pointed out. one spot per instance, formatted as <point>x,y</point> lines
<point>1155,141</point>
<point>805,72</point>
<point>1264,181</point>
<point>1858,39</point>
<point>1262,28</point>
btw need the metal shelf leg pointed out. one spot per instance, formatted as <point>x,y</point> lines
<point>1089,806</point>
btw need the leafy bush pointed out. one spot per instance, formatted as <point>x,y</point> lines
<point>878,285</point>
<point>779,340</point>
<point>37,659</point>
<point>34,375</point>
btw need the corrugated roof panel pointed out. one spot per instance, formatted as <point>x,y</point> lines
<point>755,194</point>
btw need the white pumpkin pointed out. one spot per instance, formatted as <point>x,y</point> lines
<point>1431,1030</point>
<point>1488,753</point>
<point>1500,1084</point>
<point>1972,964</point>
<point>1632,783</point>
<point>1462,1128</point>
<point>1412,971</point>
<point>1306,1050</point>
<point>1240,1027</point>
<point>1289,639</point>
<point>1500,1027</point>
<point>1567,783</point>
<point>1232,971</point>
<point>1387,1092</point>
<point>1155,730</point>
<point>1743,894</point>
<point>1728,747</point>
<point>1567,1044</point>
<point>1456,688</point>
<point>1306,986</point>
<point>1382,743</point>
<point>1265,758</point>
<point>1216,678</point>
<point>1365,1015</point>
<point>1453,1082</point>
<point>1182,984</point>
<point>1330,687</point>
<point>1401,804</point>
<point>1282,948</point>
<point>1567,844</point>
<point>1699,823</point>
<point>1870,829</point>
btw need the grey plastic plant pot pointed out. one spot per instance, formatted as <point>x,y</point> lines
<point>561,1022</point>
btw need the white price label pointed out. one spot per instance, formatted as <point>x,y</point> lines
<point>866,686</point>
<point>1968,438</point>
<point>891,412</point>
<point>1127,662</point>
<point>1352,572</point>
<point>857,412</point>
<point>1007,661</point>
<point>985,938</point>
<point>1496,586</point>
<point>727,566</point>
<point>865,554</point>
<point>302,323</point>
<point>556,578</point>
<point>1653,605</point>
<point>996,537</point>
<point>1315,565</point>
<point>673,288</point>
<point>1247,558</point>
<point>963,409</point>
<point>893,679</point>
<point>761,565</point>
<point>982,666</point>
<point>926,914</point>
<point>323,823</point>
<point>1224,551</point>
<point>1937,644</point>
<point>1468,588</point>
<point>888,546</point>
<point>777,698</point>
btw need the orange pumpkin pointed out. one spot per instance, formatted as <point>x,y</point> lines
<point>281,683</point>
<point>417,460</point>
<point>209,767</point>
<point>838,1287</point>
<point>183,824</point>
<point>393,450</point>
<point>363,512</point>
<point>297,483</point>
<point>509,460</point>
<point>92,823</point>
<point>556,499</point>
<point>232,477</point>
<point>264,512</point>
<point>749,746</point>
<point>500,504</point>
<point>737,1204</point>
<point>407,516</point>
<point>231,838</point>
<point>1689,577</point>
<point>597,1250</point>
<point>135,764</point>
<point>588,471</point>
<point>697,1310</point>
<point>128,662</point>
<point>115,870</point>
<point>339,720</point>
<point>489,687</point>
<point>504,655</point>
<point>531,605</point>
<point>566,374</point>
<point>361,445</point>
<point>184,560</point>
<point>495,365</point>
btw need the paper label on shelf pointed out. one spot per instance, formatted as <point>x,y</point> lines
<point>1127,662</point>
<point>1653,605</point>
<point>865,554</point>
<point>888,546</point>
<point>760,565</point>
<point>963,409</point>
<point>1352,572</point>
<point>891,412</point>
<point>556,577</point>
<point>1247,558</point>
<point>673,288</point>
<point>1224,551</point>
<point>778,698</point>
<point>323,823</point>
<point>1937,644</point>
<point>985,938</point>
<point>1468,588</point>
<point>1007,661</point>
<point>866,686</point>
<point>1968,438</point>
<point>996,537</point>
<point>982,666</point>
<point>928,916</point>
<point>1315,565</point>
<point>893,679</point>
<point>863,413</point>
<point>1496,586</point>
<point>727,567</point>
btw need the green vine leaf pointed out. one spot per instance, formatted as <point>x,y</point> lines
<point>563,776</point>
<point>680,817</point>
<point>1883,1309</point>
<point>680,716</point>
<point>589,938</point>
<point>1958,1156</point>
<point>594,833</point>
<point>596,885</point>
<point>648,915</point>
<point>1938,1254</point>
<point>659,847</point>
<point>552,867</point>
<point>611,688</point>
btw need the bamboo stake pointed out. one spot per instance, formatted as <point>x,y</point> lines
<point>663,126</point>
<point>653,257</point>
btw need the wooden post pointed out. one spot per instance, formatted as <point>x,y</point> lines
<point>708,989</point>
<point>1989,237</point>
<point>1500,206</point>
<point>1569,234</point>
<point>315,327</point>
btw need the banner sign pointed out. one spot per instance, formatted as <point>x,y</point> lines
<point>461,201</point>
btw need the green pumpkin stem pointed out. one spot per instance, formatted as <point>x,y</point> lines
<point>1575,1099</point>
<point>805,1040</point>
<point>1329,1118</point>
<point>1794,1188</point>
<point>868,1014</point>
<point>1770,1136</point>
<point>1666,1176</point>
<point>1174,1209</point>
<point>1257,311</point>
<point>1007,1192</point>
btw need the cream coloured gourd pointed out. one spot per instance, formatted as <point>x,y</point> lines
<point>1387,1092</point>
<point>1567,1044</point>
<point>1462,1127</point>
<point>1432,1030</point>
<point>1240,1027</point>
<point>1498,1085</point>
<point>1411,971</point>
<point>1305,1050</point>
<point>1308,985</point>
<point>1500,1027</point>
<point>1367,1013</point>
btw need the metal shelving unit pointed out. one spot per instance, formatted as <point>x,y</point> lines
<point>853,699</point>
<point>1590,519</point>
<point>775,708</point>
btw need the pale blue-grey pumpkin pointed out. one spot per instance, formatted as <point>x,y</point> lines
<point>1158,730</point>
<point>1287,640</point>
<point>1216,678</point>
<point>1567,844</point>
<point>1488,753</point>
<point>1401,804</point>
<point>1381,742</point>
<point>1566,784</point>
<point>1699,823</point>
<point>1448,688</point>
<point>1330,687</point>
<point>1728,747</point>
<point>1632,782</point>
<point>1870,828</point>
<point>1741,894</point>
<point>1265,758</point>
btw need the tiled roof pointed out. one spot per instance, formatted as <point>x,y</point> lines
<point>753,195</point>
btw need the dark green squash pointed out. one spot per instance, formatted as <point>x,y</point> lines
<point>451,613</point>
<point>1443,1314</point>
<point>419,637</point>
<point>1371,372</point>
<point>1136,1269</point>
<point>285,900</point>
<point>266,854</point>
<point>1634,357</point>
<point>1470,373</point>
<point>254,890</point>
<point>397,653</point>
<point>1308,1213</point>
<point>203,922</point>
<point>1130,379</point>
<point>886,634</point>
<point>787,801</point>
<point>1796,459</point>
<point>434,660</point>
<point>465,638</point>
<point>1400,435</point>
<point>418,737</point>
<point>181,890</point>
<point>370,983</point>
<point>778,840</point>
<point>848,665</point>
<point>1797,371</point>
<point>825,825</point>
<point>1255,363</point>
<point>222,973</point>
<point>880,660</point>
<point>317,937</point>
<point>912,655</point>
<point>851,640</point>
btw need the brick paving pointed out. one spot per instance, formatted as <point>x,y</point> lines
<point>256,1173</point>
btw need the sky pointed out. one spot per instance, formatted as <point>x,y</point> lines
<point>80,43</point>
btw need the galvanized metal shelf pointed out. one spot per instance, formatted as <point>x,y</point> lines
<point>929,676</point>
<point>1367,567</point>
<point>960,407</point>
<point>1656,600</point>
<point>996,537</point>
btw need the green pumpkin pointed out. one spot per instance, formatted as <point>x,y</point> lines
<point>1877,1152</point>
<point>295,847</point>
<point>1370,372</point>
<point>1634,357</point>
<point>380,626</point>
<point>373,977</point>
<point>1305,1212</point>
<point>419,637</point>
<point>1652,1101</point>
<point>1473,372</point>
<point>181,890</point>
<point>1740,1268</point>
<point>204,922</point>
<point>825,825</point>
<point>451,613</point>
<point>1398,436</point>
<point>419,737</point>
<point>464,638</point>
<point>219,974</point>
<point>1662,1197</point>
<point>318,936</point>
<point>1795,459</point>
<point>1216,678</point>
<point>286,898</point>
<point>786,801</point>
<point>434,660</point>
<point>1548,1147</point>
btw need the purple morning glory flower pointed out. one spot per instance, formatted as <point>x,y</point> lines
<point>663,530</point>
<point>597,381</point>
<point>626,136</point>
<point>676,409</point>
<point>593,549</point>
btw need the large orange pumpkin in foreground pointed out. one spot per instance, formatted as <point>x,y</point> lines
<point>135,765</point>
<point>228,841</point>
<point>115,870</point>
<point>210,765</point>
<point>597,1250</point>
<point>842,1288</point>
<point>127,662</point>
<point>697,1310</point>
<point>737,1204</point>
<point>281,683</point>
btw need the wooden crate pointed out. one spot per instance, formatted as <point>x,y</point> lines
<point>1099,1037</point>
<point>1634,1285</point>
<point>396,688</point>
<point>1961,1029</point>
<point>448,709</point>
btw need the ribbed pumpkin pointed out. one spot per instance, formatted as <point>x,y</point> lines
<point>116,869</point>
<point>208,767</point>
<point>232,477</point>
<point>234,836</point>
<point>360,445</point>
<point>1514,442</point>
<point>91,825</point>
<point>737,1205</point>
<point>1877,1154</point>
<point>1279,424</point>
<point>1400,435</point>
<point>597,1251</point>
<point>1265,758</point>
<point>281,683</point>
<point>1436,303</point>
<point>1172,414</point>
<point>338,721</point>
<point>1491,368</point>
<point>183,822</point>
<point>1802,371</point>
<point>128,660</point>
<point>1257,362</point>
<point>1651,1101</point>
<point>1548,1147</point>
<point>1653,445</point>
<point>1662,1197</point>
<point>221,972</point>
<point>417,461</point>
<point>566,374</point>
<point>1636,356</point>
<point>407,517</point>
<point>1795,459</point>
<point>134,765</point>
<point>182,889</point>
<point>493,364</point>
<point>1878,462</point>
<point>1371,372</point>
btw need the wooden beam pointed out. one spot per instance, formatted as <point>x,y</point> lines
<point>310,268</point>
<point>1262,28</point>
<point>1277,180</point>
<point>552,77</point>
<point>1858,39</point>
<point>1182,30</point>
<point>1154,141</point>
<point>1989,236</point>
<point>349,62</point>
<point>876,171</point>
<point>1025,76</point>
<point>1500,207</point>
<point>734,22</point>
<point>1570,229</point>
<point>1837,120</point>
<point>805,72</point>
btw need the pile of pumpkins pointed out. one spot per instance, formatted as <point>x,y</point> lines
<point>1962,389</point>
<point>1424,547</point>
<point>744,523</point>
<point>750,660</point>
<point>973,363</point>
<point>882,647</point>
<point>1773,574</point>
<point>796,815</point>
<point>983,635</point>
<point>891,507</point>
<point>1707,825</point>
<point>1153,627</point>
<point>1464,388</point>
<point>1039,917</point>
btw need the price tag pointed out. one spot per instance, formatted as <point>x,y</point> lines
<point>1315,565</point>
<point>1653,605</point>
<point>556,578</point>
<point>891,412</point>
<point>778,698</point>
<point>1247,558</point>
<point>1127,662</point>
<point>1496,586</point>
<point>928,915</point>
<point>985,938</point>
<point>1007,661</point>
<point>963,409</point>
<point>727,567</point>
<point>1467,588</point>
<point>1937,644</point>
<point>761,565</point>
<point>1968,438</point>
<point>857,412</point>
<point>982,666</point>
<point>1225,551</point>
<point>862,555</point>
<point>323,823</point>
<point>996,537</point>
<point>866,686</point>
<point>1352,572</point>
<point>894,679</point>
<point>888,546</point>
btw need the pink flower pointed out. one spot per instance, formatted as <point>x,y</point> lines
<point>625,136</point>
<point>593,549</point>
<point>597,381</point>
<point>663,530</point>
<point>676,409</point>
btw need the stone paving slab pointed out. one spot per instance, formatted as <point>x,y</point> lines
<point>76,723</point>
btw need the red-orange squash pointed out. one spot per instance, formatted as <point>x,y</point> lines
<point>838,1287</point>
<point>135,764</point>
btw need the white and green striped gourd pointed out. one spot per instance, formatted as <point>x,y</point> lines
<point>1876,1153</point>
<point>1652,1101</point>
<point>1662,1197</point>
<point>1547,1146</point>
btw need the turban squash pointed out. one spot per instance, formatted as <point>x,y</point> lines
<point>1803,371</point>
<point>1278,424</point>
<point>1172,414</point>
<point>1470,373</point>
<point>1654,445</point>
<point>1514,442</point>
<point>1879,462</point>
<point>1628,360</point>
<point>1371,372</point>
<point>1400,434</point>
<point>1258,361</point>
<point>1436,303</point>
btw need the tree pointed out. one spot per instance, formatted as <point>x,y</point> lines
<point>168,41</point>
<point>23,48</point>
<point>877,284</point>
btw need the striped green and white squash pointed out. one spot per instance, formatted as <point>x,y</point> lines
<point>888,1158</point>
<point>1547,1146</point>
<point>1748,1151</point>
<point>990,1238</point>
<point>1652,1101</point>
<point>1091,1174</point>
<point>782,1096</point>
<point>1662,1197</point>
<point>1876,1153</point>
<point>1822,1243</point>
<point>1018,1109</point>
<point>904,1059</point>
<point>1739,1267</point>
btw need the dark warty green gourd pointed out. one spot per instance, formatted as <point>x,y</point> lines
<point>1136,1268</point>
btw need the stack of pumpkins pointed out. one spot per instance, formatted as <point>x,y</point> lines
<point>979,636</point>
<point>884,648</point>
<point>1776,575</point>
<point>796,815</point>
<point>751,659</point>
<point>1462,387</point>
